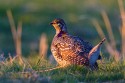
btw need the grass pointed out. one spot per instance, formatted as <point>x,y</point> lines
<point>30,71</point>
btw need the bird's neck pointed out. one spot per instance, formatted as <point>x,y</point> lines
<point>61,33</point>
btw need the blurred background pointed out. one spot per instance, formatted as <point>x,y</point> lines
<point>37,14</point>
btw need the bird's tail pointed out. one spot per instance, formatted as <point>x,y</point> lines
<point>102,41</point>
<point>94,54</point>
<point>96,49</point>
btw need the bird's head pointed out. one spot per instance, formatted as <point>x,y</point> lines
<point>59,25</point>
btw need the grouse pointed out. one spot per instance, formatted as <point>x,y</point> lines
<point>68,49</point>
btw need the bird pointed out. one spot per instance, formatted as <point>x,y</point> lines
<point>68,49</point>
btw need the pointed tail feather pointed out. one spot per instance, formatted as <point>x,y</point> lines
<point>95,53</point>
<point>102,41</point>
<point>96,49</point>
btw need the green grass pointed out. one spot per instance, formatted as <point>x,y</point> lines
<point>108,72</point>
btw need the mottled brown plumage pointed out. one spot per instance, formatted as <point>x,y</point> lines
<point>68,49</point>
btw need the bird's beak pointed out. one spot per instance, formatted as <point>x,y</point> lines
<point>51,23</point>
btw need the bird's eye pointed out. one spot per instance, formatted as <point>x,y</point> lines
<point>59,25</point>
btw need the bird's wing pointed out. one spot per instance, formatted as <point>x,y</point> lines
<point>82,46</point>
<point>76,50</point>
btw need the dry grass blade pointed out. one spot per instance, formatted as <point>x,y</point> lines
<point>16,35</point>
<point>43,46</point>
<point>58,67</point>
<point>121,7</point>
<point>109,29</point>
<point>18,41</point>
<point>98,28</point>
<point>123,27</point>
<point>123,42</point>
<point>19,29</point>
<point>12,24</point>
<point>10,59</point>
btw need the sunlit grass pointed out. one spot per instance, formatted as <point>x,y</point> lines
<point>29,71</point>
